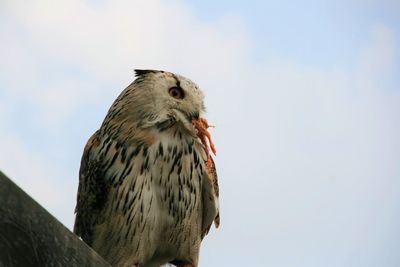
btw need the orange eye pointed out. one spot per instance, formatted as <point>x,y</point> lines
<point>176,92</point>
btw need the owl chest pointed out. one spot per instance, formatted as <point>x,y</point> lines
<point>177,183</point>
<point>160,184</point>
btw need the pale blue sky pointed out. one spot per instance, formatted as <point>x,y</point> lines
<point>305,97</point>
<point>322,33</point>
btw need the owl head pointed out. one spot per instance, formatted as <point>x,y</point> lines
<point>158,99</point>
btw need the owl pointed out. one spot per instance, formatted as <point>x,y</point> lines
<point>148,189</point>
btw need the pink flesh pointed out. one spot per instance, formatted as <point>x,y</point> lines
<point>201,126</point>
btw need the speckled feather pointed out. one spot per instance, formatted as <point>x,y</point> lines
<point>146,196</point>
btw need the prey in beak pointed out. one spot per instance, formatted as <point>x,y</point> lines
<point>201,125</point>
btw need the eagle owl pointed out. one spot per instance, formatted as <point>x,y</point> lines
<point>148,190</point>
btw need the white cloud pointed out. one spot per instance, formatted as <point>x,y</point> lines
<point>114,37</point>
<point>34,174</point>
<point>376,59</point>
<point>106,42</point>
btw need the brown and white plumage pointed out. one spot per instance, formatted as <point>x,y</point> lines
<point>148,190</point>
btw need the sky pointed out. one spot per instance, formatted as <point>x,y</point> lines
<point>305,97</point>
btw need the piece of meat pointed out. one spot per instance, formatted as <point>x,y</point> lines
<point>201,125</point>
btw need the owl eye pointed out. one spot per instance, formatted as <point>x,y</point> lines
<point>176,92</point>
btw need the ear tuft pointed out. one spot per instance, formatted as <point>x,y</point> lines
<point>144,72</point>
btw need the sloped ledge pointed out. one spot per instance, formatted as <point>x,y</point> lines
<point>30,236</point>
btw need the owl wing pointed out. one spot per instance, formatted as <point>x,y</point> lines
<point>92,192</point>
<point>210,199</point>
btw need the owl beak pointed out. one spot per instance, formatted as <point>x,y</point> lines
<point>194,116</point>
<point>201,128</point>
